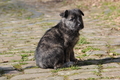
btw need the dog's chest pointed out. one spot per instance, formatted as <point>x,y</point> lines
<point>70,40</point>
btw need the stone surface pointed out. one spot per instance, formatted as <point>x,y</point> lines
<point>12,72</point>
<point>19,34</point>
<point>111,65</point>
<point>96,53</point>
<point>9,57</point>
<point>30,64</point>
<point>77,71</point>
<point>38,70</point>
<point>54,78</point>
<point>82,76</point>
<point>111,74</point>
<point>89,67</point>
<point>31,76</point>
<point>31,57</point>
<point>111,69</point>
<point>3,78</point>
<point>117,51</point>
<point>7,67</point>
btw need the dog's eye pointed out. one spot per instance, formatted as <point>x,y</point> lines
<point>71,19</point>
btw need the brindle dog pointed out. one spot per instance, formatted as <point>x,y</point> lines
<point>55,49</point>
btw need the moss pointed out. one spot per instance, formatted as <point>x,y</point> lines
<point>18,67</point>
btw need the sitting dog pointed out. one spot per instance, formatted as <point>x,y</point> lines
<point>55,49</point>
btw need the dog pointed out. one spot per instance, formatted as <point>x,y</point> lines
<point>55,48</point>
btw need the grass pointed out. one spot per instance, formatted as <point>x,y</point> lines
<point>23,63</point>
<point>91,79</point>
<point>66,69</point>
<point>81,56</point>
<point>89,48</point>
<point>18,67</point>
<point>2,53</point>
<point>82,41</point>
<point>24,57</point>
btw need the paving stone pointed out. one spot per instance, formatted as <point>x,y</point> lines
<point>115,42</point>
<point>98,42</point>
<point>117,51</point>
<point>12,72</point>
<point>3,78</point>
<point>7,67</point>
<point>111,69</point>
<point>67,72</point>
<point>54,78</point>
<point>9,57</point>
<point>77,71</point>
<point>10,63</point>
<point>111,74</point>
<point>96,53</point>
<point>110,65</point>
<point>82,76</point>
<point>30,76</point>
<point>89,67</point>
<point>29,65</point>
<point>38,70</point>
<point>31,57</point>
<point>3,49</point>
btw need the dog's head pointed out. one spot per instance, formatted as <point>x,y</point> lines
<point>72,19</point>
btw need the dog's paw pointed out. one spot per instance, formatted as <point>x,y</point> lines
<point>69,64</point>
<point>75,61</point>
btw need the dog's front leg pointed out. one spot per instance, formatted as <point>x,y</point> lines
<point>67,55</point>
<point>72,56</point>
<point>68,61</point>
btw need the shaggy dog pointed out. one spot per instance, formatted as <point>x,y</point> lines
<point>55,48</point>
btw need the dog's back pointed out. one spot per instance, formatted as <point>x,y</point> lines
<point>50,49</point>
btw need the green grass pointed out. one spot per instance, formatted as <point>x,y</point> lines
<point>2,53</point>
<point>89,48</point>
<point>91,79</point>
<point>24,57</point>
<point>66,69</point>
<point>82,56</point>
<point>27,51</point>
<point>82,41</point>
<point>23,63</point>
<point>18,67</point>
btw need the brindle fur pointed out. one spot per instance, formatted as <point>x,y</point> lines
<point>55,48</point>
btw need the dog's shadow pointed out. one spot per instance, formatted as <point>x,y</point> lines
<point>98,61</point>
<point>92,62</point>
<point>82,63</point>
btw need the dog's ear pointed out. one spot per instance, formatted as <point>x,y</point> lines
<point>64,14</point>
<point>81,12</point>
